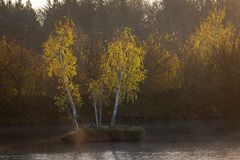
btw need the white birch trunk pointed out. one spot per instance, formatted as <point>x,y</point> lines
<point>70,98</point>
<point>100,114</point>
<point>100,108</point>
<point>115,109</point>
<point>96,111</point>
<point>73,107</point>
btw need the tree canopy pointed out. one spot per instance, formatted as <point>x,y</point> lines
<point>179,57</point>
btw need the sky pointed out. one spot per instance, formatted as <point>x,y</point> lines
<point>37,4</point>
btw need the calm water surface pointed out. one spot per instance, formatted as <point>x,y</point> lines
<point>167,141</point>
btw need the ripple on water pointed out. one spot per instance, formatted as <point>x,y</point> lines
<point>195,154</point>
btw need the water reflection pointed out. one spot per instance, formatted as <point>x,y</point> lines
<point>232,154</point>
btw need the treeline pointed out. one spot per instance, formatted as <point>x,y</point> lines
<point>191,58</point>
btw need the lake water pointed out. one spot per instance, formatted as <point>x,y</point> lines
<point>209,140</point>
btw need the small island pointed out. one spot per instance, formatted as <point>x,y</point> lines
<point>104,134</point>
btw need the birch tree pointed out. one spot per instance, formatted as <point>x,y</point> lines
<point>97,89</point>
<point>123,70</point>
<point>97,94</point>
<point>58,54</point>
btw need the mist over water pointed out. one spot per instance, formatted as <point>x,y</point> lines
<point>210,140</point>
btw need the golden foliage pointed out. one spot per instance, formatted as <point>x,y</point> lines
<point>58,54</point>
<point>212,34</point>
<point>162,64</point>
<point>123,67</point>
<point>20,69</point>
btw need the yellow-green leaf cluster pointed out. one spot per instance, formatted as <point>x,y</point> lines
<point>95,88</point>
<point>61,42</point>
<point>163,65</point>
<point>61,98</point>
<point>58,54</point>
<point>123,68</point>
<point>212,34</point>
<point>18,79</point>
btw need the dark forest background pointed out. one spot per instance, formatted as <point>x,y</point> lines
<point>175,87</point>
